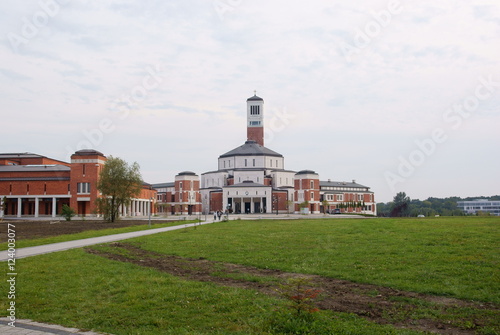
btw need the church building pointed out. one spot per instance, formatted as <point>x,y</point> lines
<point>252,179</point>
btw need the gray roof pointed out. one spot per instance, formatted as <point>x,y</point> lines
<point>88,152</point>
<point>19,155</point>
<point>34,168</point>
<point>187,173</point>
<point>161,185</point>
<point>251,148</point>
<point>341,184</point>
<point>306,172</point>
<point>255,98</point>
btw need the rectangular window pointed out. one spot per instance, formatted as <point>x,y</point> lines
<point>83,168</point>
<point>245,162</point>
<point>83,188</point>
<point>340,197</point>
<point>312,183</point>
<point>312,196</point>
<point>254,162</point>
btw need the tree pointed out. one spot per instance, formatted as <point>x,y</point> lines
<point>118,183</point>
<point>67,212</point>
<point>401,205</point>
<point>325,204</point>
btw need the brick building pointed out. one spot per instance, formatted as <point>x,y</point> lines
<point>252,179</point>
<point>34,185</point>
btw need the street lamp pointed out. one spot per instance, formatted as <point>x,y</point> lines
<point>228,207</point>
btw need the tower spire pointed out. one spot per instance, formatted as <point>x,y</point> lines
<point>255,119</point>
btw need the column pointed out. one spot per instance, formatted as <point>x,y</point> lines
<point>54,207</point>
<point>1,208</point>
<point>37,207</point>
<point>19,207</point>
<point>252,207</point>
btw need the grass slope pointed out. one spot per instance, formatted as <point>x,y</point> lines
<point>447,256</point>
<point>455,256</point>
<point>85,291</point>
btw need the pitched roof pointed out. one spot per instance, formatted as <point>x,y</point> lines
<point>255,98</point>
<point>251,148</point>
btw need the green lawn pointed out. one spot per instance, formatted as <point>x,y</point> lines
<point>89,234</point>
<point>76,289</point>
<point>446,256</point>
<point>454,256</point>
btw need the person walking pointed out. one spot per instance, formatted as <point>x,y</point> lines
<point>219,214</point>
<point>215,215</point>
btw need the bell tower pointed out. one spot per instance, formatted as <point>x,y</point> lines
<point>255,119</point>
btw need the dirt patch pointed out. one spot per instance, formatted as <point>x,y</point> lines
<point>38,229</point>
<point>383,305</point>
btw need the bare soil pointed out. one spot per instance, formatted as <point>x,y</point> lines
<point>376,303</point>
<point>38,229</point>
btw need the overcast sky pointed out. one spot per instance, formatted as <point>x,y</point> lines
<point>398,95</point>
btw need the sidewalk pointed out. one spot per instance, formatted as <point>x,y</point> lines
<point>28,327</point>
<point>48,248</point>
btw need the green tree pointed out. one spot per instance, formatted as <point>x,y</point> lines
<point>325,204</point>
<point>400,205</point>
<point>67,212</point>
<point>118,183</point>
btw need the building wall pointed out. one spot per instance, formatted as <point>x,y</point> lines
<point>85,170</point>
<point>44,185</point>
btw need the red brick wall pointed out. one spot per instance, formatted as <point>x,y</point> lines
<point>216,201</point>
<point>256,134</point>
<point>85,173</point>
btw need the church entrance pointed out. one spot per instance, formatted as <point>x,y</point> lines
<point>257,208</point>
<point>248,209</point>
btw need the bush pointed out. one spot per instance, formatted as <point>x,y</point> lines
<point>67,212</point>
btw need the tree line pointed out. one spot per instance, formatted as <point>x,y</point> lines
<point>402,205</point>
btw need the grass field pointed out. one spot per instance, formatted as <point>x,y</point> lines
<point>87,234</point>
<point>452,257</point>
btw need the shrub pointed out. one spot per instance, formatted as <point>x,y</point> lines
<point>67,212</point>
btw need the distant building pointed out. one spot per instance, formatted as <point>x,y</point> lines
<point>480,205</point>
<point>34,185</point>
<point>252,178</point>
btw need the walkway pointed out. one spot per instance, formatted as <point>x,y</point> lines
<point>28,327</point>
<point>48,248</point>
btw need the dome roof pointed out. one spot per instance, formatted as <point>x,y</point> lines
<point>251,148</point>
<point>306,172</point>
<point>187,173</point>
<point>88,152</point>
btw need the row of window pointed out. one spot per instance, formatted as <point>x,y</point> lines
<point>335,188</point>
<point>81,188</point>
<point>254,110</point>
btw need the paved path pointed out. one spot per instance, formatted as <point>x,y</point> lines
<point>48,248</point>
<point>28,327</point>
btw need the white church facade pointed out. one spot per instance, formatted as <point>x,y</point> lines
<point>252,179</point>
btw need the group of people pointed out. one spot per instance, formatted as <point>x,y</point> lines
<point>217,215</point>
